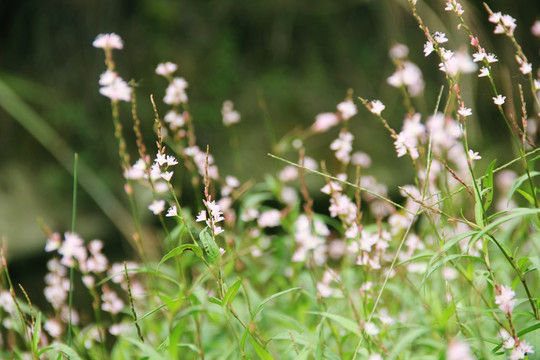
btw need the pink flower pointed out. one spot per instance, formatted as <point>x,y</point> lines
<point>269,218</point>
<point>108,41</point>
<point>505,299</point>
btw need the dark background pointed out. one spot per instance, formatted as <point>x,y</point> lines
<point>300,57</point>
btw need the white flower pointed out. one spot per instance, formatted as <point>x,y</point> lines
<point>157,206</point>
<point>484,71</point>
<point>324,122</point>
<point>176,92</point>
<point>343,146</point>
<point>440,37</point>
<point>499,100</point>
<point>428,48</point>
<point>463,111</point>
<point>269,218</point>
<point>108,41</point>
<point>172,211</point>
<point>377,107</point>
<point>473,155</point>
<point>118,89</point>
<point>399,51</point>
<point>525,68</point>
<point>230,116</point>
<point>347,109</point>
<point>166,69</point>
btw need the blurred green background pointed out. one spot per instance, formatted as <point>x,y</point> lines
<point>300,57</point>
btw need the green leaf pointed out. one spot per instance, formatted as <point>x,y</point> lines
<point>36,333</point>
<point>261,352</point>
<point>209,245</point>
<point>63,348</point>
<point>478,210</point>
<point>259,308</point>
<point>179,250</point>
<point>231,293</point>
<point>487,184</point>
<point>520,181</point>
<point>406,341</point>
<point>148,350</point>
<point>526,195</point>
<point>346,323</point>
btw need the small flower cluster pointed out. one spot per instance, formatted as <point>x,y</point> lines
<point>113,86</point>
<point>215,216</point>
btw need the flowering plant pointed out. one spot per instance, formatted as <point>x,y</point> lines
<point>445,270</point>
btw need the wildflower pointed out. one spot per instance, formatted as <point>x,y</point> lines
<point>72,247</point>
<point>167,175</point>
<point>269,218</point>
<point>525,68</point>
<point>521,350</point>
<point>440,37</point>
<point>347,109</point>
<point>491,58</point>
<point>453,5</point>
<point>508,340</point>
<point>174,119</point>
<point>117,90</point>
<point>458,350</point>
<point>499,100</point>
<point>230,116</point>
<point>120,329</point>
<point>473,155</point>
<point>371,329</point>
<point>157,206</point>
<point>107,78</point>
<point>53,242</point>
<point>428,48</point>
<point>463,111</point>
<point>399,51</point>
<point>361,159</point>
<point>111,302</point>
<point>484,71</point>
<point>495,17</point>
<point>505,299</point>
<point>409,75</point>
<point>201,216</point>
<point>53,327</point>
<point>166,69</point>
<point>172,211</point>
<point>324,121</point>
<point>108,41</point>
<point>343,146</point>
<point>535,29</point>
<point>479,56</point>
<point>176,92</point>
<point>377,107</point>
<point>375,357</point>
<point>171,160</point>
